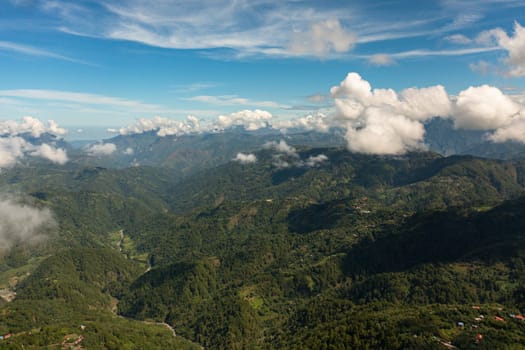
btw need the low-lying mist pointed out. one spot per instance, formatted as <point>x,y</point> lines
<point>22,223</point>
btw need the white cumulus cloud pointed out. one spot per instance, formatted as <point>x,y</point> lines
<point>314,161</point>
<point>163,126</point>
<point>11,150</point>
<point>54,129</point>
<point>382,121</point>
<point>318,122</point>
<point>13,147</point>
<point>385,133</point>
<point>245,158</point>
<point>514,131</point>
<point>249,119</point>
<point>353,85</point>
<point>354,95</point>
<point>322,38</point>
<point>424,103</point>
<point>101,149</point>
<point>287,156</point>
<point>30,125</point>
<point>514,45</point>
<point>20,223</point>
<point>282,147</point>
<point>280,163</point>
<point>483,108</point>
<point>53,154</point>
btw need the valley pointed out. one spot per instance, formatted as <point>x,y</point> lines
<point>357,250</point>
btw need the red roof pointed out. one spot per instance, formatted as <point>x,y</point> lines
<point>497,318</point>
<point>520,317</point>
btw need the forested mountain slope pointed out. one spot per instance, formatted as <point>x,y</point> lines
<point>428,179</point>
<point>345,251</point>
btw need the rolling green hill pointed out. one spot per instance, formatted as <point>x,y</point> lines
<point>353,251</point>
<point>418,181</point>
<point>70,296</point>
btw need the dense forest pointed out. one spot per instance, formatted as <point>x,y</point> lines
<point>352,252</point>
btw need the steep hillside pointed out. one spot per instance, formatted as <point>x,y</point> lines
<point>441,137</point>
<point>361,266</point>
<point>70,297</point>
<point>417,181</point>
<point>331,249</point>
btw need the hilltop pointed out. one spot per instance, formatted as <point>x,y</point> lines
<point>274,253</point>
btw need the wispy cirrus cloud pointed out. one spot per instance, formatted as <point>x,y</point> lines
<point>459,52</point>
<point>389,58</point>
<point>199,86</point>
<point>478,6</point>
<point>317,98</point>
<point>96,106</point>
<point>285,29</point>
<point>35,51</point>
<point>234,100</point>
<point>264,27</point>
<point>78,97</point>
<point>381,59</point>
<point>458,39</point>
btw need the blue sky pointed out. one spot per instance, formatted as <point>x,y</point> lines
<point>109,63</point>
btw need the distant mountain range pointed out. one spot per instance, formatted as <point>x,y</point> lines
<point>441,137</point>
<point>186,154</point>
<point>193,152</point>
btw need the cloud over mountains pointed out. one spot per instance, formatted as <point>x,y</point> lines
<point>22,223</point>
<point>29,125</point>
<point>250,120</point>
<point>382,121</point>
<point>14,147</point>
<point>286,156</point>
<point>163,126</point>
<point>244,158</point>
<point>375,120</point>
<point>55,155</point>
<point>101,149</point>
